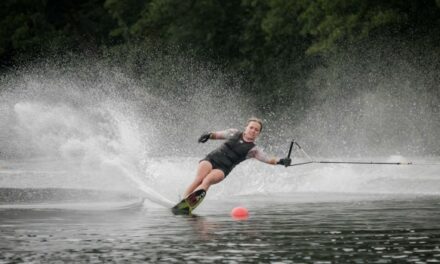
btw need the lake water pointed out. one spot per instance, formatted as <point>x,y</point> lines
<point>282,228</point>
<point>82,143</point>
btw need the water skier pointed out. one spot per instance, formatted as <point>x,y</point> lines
<point>238,146</point>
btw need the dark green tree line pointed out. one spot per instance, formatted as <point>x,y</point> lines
<point>273,43</point>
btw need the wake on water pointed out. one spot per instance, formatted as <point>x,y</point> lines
<point>61,129</point>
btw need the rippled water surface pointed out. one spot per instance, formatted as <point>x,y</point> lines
<point>297,228</point>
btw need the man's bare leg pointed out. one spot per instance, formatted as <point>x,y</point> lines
<point>215,176</point>
<point>204,168</point>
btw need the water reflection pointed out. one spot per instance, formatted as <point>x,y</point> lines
<point>385,231</point>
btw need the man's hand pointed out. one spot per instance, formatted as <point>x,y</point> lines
<point>286,162</point>
<point>204,137</point>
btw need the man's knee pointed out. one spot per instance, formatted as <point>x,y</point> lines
<point>205,165</point>
<point>215,178</point>
<point>208,180</point>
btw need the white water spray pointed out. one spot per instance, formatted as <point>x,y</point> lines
<point>108,132</point>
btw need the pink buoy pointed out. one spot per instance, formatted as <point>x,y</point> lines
<point>239,213</point>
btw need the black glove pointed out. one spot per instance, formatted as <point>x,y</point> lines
<point>286,162</point>
<point>204,137</point>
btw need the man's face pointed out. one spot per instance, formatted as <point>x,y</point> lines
<point>252,130</point>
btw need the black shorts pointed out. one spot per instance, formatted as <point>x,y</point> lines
<point>216,165</point>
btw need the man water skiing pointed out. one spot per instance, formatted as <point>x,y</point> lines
<point>238,146</point>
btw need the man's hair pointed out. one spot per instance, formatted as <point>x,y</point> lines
<point>254,119</point>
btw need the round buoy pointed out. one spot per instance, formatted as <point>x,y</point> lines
<point>239,213</point>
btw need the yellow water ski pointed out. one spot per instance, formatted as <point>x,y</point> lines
<point>187,205</point>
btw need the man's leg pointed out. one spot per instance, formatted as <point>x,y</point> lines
<point>215,176</point>
<point>204,168</point>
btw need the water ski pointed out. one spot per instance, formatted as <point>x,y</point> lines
<point>187,205</point>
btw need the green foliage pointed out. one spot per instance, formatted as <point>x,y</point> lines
<point>208,27</point>
<point>29,28</point>
<point>333,22</point>
<point>247,33</point>
<point>23,27</point>
<point>273,44</point>
<point>125,13</point>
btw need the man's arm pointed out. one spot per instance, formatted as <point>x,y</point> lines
<point>260,155</point>
<point>224,134</point>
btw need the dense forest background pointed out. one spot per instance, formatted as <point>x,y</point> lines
<point>353,73</point>
<point>271,46</point>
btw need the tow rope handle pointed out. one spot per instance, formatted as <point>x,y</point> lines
<point>290,149</point>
